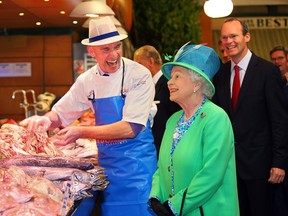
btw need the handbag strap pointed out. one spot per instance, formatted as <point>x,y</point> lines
<point>183,200</point>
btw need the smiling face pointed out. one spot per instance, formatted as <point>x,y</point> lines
<point>181,86</point>
<point>108,56</point>
<point>234,41</point>
<point>279,58</point>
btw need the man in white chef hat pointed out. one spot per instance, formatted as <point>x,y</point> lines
<point>121,94</point>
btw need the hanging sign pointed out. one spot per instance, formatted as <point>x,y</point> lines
<point>18,69</point>
<point>266,22</point>
<point>257,22</point>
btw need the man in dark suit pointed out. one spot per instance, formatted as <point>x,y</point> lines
<point>279,57</point>
<point>149,57</point>
<point>259,118</point>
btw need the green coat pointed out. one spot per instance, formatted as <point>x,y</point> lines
<point>203,161</point>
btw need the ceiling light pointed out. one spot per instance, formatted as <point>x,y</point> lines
<point>92,8</point>
<point>218,8</point>
<point>115,21</point>
<point>21,14</point>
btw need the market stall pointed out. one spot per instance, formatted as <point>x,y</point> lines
<point>38,177</point>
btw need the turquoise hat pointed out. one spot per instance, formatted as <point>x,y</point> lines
<point>199,58</point>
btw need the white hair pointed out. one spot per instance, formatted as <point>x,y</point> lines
<point>206,87</point>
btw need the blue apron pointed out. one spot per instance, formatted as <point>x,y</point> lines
<point>130,164</point>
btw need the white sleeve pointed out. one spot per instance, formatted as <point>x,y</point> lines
<point>73,104</point>
<point>140,95</point>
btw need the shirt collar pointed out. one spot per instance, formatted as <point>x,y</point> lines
<point>243,64</point>
<point>157,76</point>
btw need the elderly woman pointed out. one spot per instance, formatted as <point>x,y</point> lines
<point>196,172</point>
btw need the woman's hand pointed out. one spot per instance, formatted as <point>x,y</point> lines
<point>160,209</point>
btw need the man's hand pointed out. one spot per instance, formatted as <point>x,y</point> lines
<point>36,123</point>
<point>68,135</point>
<point>276,175</point>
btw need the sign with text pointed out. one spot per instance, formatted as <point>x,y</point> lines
<point>257,22</point>
<point>17,69</point>
<point>266,22</point>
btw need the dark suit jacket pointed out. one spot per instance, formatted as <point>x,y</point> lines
<point>286,89</point>
<point>259,120</point>
<point>164,110</point>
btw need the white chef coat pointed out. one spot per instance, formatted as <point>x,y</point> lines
<point>138,88</point>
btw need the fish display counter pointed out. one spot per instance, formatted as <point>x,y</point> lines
<point>40,179</point>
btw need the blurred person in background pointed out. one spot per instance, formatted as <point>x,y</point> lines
<point>279,57</point>
<point>224,55</point>
<point>196,172</point>
<point>151,59</point>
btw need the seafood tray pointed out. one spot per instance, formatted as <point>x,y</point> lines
<point>16,140</point>
<point>39,178</point>
<point>64,181</point>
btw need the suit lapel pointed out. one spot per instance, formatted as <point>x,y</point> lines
<point>226,84</point>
